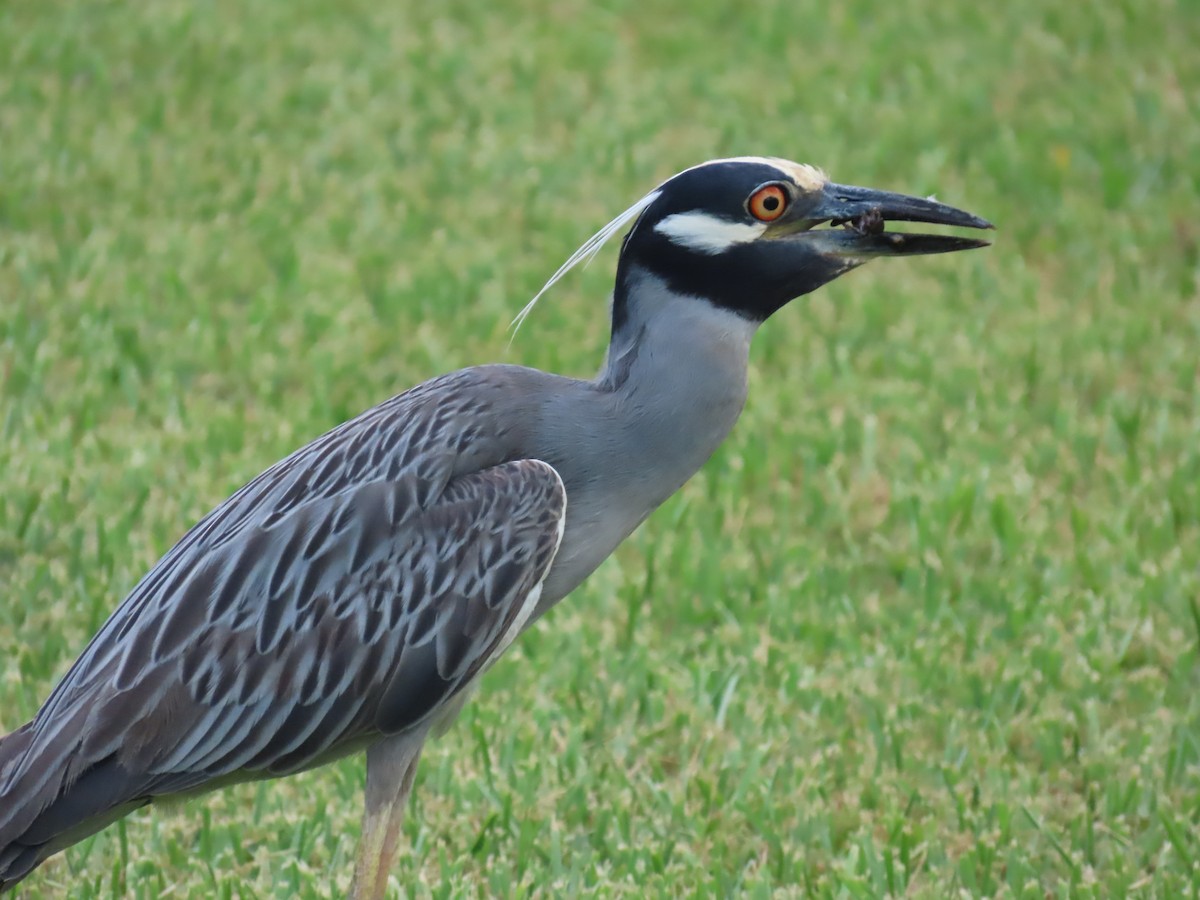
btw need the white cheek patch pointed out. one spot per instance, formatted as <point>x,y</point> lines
<point>707,234</point>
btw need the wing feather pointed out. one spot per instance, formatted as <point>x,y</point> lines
<point>398,614</point>
<point>313,587</point>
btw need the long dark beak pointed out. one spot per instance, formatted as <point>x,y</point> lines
<point>864,212</point>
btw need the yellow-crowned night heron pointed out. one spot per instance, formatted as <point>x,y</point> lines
<point>346,598</point>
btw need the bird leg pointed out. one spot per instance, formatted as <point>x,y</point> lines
<point>391,768</point>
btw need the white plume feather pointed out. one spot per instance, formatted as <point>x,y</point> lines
<point>587,251</point>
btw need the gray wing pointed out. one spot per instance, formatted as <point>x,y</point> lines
<point>352,615</point>
<point>418,441</point>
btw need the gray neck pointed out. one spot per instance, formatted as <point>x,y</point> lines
<point>676,375</point>
<point>671,388</point>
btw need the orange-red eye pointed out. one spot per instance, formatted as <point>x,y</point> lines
<point>768,203</point>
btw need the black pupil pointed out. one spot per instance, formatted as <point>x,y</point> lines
<point>770,204</point>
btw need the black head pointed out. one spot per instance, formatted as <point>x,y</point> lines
<point>742,233</point>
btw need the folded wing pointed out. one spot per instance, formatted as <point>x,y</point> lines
<point>308,637</point>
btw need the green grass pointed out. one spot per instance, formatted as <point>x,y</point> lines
<point>927,625</point>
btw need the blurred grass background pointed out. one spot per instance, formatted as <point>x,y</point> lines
<point>927,625</point>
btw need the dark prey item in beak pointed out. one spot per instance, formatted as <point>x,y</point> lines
<point>865,211</point>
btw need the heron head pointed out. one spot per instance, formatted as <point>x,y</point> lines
<point>746,235</point>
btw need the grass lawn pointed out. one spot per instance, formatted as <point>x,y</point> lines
<point>928,624</point>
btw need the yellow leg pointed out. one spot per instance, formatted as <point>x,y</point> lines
<point>391,768</point>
